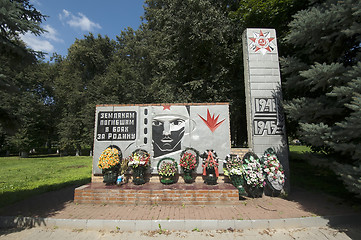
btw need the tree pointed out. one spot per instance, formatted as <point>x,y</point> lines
<point>193,44</point>
<point>30,109</point>
<point>322,76</point>
<point>79,86</point>
<point>268,14</point>
<point>195,53</point>
<point>16,17</point>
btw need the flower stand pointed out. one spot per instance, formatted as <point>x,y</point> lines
<point>110,161</point>
<point>188,175</point>
<point>110,176</point>
<point>272,189</point>
<point>167,169</point>
<point>237,181</point>
<point>138,175</point>
<point>167,180</point>
<point>189,159</point>
<point>211,176</point>
<point>139,162</point>
<point>210,167</point>
<point>254,191</point>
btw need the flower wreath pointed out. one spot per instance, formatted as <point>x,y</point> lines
<point>189,160</point>
<point>138,158</point>
<point>210,160</point>
<point>273,170</point>
<point>110,158</point>
<point>253,173</point>
<point>233,165</point>
<point>167,169</point>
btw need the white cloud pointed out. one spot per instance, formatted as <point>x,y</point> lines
<point>36,2</point>
<point>78,21</point>
<point>37,43</point>
<point>52,34</point>
<point>65,14</point>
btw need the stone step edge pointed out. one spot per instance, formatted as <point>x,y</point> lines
<point>180,225</point>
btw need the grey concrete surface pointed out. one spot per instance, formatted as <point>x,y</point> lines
<point>316,233</point>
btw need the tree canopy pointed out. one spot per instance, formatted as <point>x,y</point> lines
<point>323,76</point>
<point>184,51</point>
<point>20,87</point>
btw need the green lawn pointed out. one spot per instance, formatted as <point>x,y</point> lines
<point>24,177</point>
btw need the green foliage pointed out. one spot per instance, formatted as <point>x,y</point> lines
<point>194,52</point>
<point>79,86</point>
<point>22,178</point>
<point>348,133</point>
<point>185,51</point>
<point>325,174</point>
<point>322,77</point>
<point>18,17</point>
<point>193,49</point>
<point>351,176</point>
<point>28,110</point>
<point>270,13</point>
<point>21,82</point>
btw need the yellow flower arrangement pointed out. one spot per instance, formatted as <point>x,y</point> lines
<point>109,159</point>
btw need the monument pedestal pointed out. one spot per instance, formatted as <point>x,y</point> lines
<point>152,193</point>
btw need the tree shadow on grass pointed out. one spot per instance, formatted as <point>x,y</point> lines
<point>41,202</point>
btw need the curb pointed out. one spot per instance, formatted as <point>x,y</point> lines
<point>181,225</point>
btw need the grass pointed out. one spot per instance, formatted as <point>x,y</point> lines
<point>21,178</point>
<point>313,177</point>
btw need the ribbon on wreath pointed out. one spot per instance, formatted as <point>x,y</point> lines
<point>210,159</point>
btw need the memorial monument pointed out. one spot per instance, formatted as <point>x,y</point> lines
<point>265,118</point>
<point>165,131</point>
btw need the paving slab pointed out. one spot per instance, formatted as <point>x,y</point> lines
<point>301,209</point>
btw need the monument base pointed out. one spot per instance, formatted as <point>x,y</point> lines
<point>152,193</point>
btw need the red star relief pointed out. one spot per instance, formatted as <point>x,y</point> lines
<point>262,42</point>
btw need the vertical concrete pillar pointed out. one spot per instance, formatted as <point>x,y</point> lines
<point>265,118</point>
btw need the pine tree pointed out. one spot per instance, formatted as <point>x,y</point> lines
<point>18,17</point>
<point>322,75</point>
<point>347,134</point>
<point>17,95</point>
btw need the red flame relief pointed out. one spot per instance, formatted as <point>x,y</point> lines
<point>211,121</point>
<point>165,107</point>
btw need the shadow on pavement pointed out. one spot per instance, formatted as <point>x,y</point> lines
<point>341,215</point>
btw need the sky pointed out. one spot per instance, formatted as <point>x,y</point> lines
<point>69,20</point>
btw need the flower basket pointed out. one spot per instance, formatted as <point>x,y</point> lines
<point>273,173</point>
<point>167,169</point>
<point>139,162</point>
<point>109,162</point>
<point>233,168</point>
<point>139,175</point>
<point>110,176</point>
<point>254,191</point>
<point>210,167</point>
<point>188,175</point>
<point>189,162</point>
<point>253,175</point>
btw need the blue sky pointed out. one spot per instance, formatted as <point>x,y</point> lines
<point>71,19</point>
